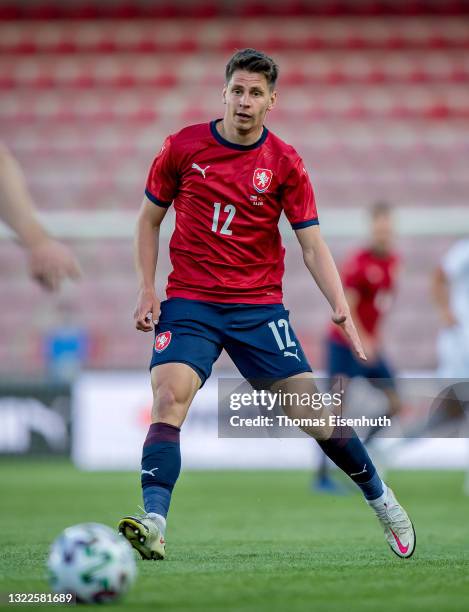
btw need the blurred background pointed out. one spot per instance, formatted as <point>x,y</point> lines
<point>374,94</point>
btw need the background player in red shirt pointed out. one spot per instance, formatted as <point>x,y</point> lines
<point>369,279</point>
<point>230,180</point>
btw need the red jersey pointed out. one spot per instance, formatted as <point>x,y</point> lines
<point>372,277</point>
<point>228,198</point>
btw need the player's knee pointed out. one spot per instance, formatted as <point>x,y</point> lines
<point>165,401</point>
<point>169,404</point>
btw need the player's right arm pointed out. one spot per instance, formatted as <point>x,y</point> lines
<point>161,189</point>
<point>146,256</point>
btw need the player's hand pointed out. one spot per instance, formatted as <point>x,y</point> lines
<point>147,311</point>
<point>51,262</point>
<point>344,320</point>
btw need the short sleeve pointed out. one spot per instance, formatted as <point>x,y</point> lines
<point>162,181</point>
<point>298,197</point>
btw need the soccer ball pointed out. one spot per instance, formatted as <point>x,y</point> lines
<point>91,561</point>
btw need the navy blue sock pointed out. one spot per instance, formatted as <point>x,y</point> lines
<point>346,450</point>
<point>161,464</point>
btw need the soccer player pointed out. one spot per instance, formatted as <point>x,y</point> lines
<point>50,261</point>
<point>369,278</point>
<point>230,180</point>
<point>451,296</point>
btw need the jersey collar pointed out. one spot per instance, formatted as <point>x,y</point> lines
<point>232,145</point>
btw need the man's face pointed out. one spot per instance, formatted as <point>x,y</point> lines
<point>248,98</point>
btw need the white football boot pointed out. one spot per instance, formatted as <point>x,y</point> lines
<point>398,529</point>
<point>144,535</point>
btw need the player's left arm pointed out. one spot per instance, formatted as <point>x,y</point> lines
<point>320,263</point>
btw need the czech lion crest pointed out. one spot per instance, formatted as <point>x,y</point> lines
<point>261,179</point>
<point>162,340</point>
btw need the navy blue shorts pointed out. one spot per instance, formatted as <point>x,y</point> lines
<point>342,362</point>
<point>258,338</point>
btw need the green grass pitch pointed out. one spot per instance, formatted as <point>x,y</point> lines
<point>249,541</point>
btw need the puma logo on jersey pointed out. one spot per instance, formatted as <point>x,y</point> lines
<point>201,170</point>
<point>289,354</point>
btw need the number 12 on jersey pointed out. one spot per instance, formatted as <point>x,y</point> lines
<point>274,328</point>
<point>230,209</point>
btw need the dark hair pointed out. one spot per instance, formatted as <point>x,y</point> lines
<point>380,208</point>
<point>253,61</point>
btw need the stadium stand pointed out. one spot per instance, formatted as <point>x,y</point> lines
<point>378,106</point>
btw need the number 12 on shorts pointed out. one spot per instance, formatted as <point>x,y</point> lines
<point>275,327</point>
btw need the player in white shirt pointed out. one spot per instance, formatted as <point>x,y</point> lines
<point>451,292</point>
